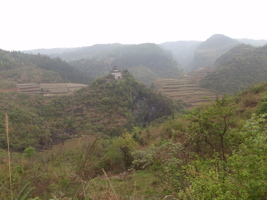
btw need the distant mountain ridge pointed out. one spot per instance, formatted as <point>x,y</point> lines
<point>70,54</point>
<point>192,55</point>
<point>188,54</point>
<point>146,62</point>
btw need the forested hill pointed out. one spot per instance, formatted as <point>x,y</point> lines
<point>23,68</point>
<point>208,51</point>
<point>238,69</point>
<point>110,106</point>
<point>232,54</point>
<point>107,107</point>
<point>146,62</point>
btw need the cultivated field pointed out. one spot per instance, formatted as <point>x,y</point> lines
<point>49,88</point>
<point>187,88</point>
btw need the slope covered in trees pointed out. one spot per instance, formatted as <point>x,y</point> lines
<point>208,51</point>
<point>217,151</point>
<point>238,69</point>
<point>17,67</point>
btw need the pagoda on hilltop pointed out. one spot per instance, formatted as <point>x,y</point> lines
<point>116,73</point>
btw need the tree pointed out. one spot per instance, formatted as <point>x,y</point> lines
<point>210,128</point>
<point>242,176</point>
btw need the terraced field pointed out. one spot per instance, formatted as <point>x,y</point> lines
<point>49,88</point>
<point>187,88</point>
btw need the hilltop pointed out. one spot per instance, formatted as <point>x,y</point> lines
<point>207,52</point>
<point>109,106</point>
<point>169,57</point>
<point>198,54</point>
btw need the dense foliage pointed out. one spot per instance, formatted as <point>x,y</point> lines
<point>238,69</point>
<point>208,51</point>
<point>216,151</point>
<point>24,68</point>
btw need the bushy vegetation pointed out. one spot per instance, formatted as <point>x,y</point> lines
<point>216,151</point>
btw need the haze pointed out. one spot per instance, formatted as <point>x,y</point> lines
<point>32,24</point>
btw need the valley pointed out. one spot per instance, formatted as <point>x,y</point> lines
<point>179,120</point>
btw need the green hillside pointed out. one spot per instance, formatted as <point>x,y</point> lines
<point>238,69</point>
<point>17,67</point>
<point>107,107</point>
<point>118,139</point>
<point>110,106</point>
<point>216,151</point>
<point>146,62</point>
<point>231,55</point>
<point>207,52</point>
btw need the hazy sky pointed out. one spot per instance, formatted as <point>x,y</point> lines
<point>31,24</point>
